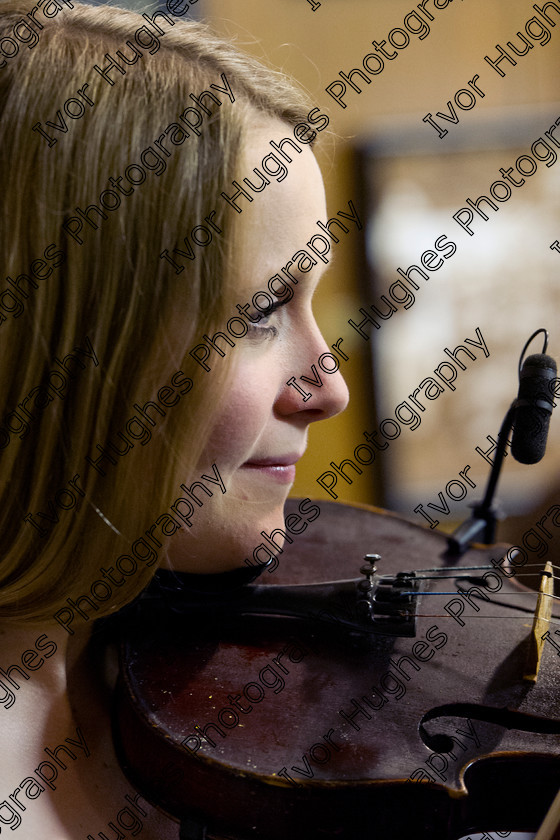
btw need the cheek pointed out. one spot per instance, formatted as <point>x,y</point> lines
<point>246,409</point>
<point>234,520</point>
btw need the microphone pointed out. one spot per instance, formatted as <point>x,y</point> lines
<point>532,408</point>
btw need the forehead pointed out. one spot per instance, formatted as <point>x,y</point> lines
<point>283,217</point>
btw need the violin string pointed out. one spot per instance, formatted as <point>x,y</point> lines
<point>503,594</point>
<point>526,618</point>
<point>471,577</point>
<point>473,568</point>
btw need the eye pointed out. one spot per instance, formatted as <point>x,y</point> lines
<point>262,328</point>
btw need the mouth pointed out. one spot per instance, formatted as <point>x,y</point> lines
<point>280,468</point>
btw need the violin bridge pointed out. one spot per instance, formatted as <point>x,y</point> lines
<point>541,618</point>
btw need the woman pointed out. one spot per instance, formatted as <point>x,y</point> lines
<point>149,332</point>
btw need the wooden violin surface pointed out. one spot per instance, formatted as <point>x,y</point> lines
<point>269,728</point>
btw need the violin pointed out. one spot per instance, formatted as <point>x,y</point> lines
<point>401,701</point>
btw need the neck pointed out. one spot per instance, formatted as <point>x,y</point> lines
<point>35,658</point>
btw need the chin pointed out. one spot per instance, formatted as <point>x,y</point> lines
<point>238,535</point>
<point>277,530</point>
<point>268,537</point>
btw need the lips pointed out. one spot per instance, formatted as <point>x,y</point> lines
<point>274,461</point>
<point>280,468</point>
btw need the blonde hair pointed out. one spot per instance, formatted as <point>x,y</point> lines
<point>114,290</point>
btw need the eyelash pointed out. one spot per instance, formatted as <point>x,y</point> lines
<point>261,332</point>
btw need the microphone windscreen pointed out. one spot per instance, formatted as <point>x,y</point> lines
<point>533,408</point>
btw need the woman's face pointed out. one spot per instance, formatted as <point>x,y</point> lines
<point>261,428</point>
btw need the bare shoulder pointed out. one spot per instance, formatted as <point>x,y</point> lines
<point>60,778</point>
<point>68,785</point>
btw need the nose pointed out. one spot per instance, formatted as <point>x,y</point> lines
<point>315,389</point>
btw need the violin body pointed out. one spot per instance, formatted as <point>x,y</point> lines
<point>273,728</point>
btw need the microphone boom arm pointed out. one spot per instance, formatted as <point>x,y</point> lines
<point>481,527</point>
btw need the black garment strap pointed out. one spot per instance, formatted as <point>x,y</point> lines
<point>221,582</point>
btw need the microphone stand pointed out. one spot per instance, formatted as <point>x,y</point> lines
<point>481,527</point>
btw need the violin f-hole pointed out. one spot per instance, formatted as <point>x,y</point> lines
<point>440,742</point>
